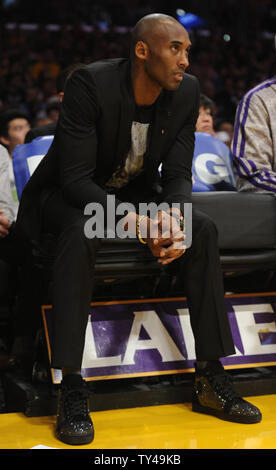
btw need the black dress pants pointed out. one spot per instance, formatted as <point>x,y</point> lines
<point>73,273</point>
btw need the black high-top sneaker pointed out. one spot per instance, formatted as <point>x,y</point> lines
<point>213,394</point>
<point>74,425</point>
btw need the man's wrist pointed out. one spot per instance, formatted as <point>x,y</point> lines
<point>140,230</point>
<point>177,214</point>
<point>180,219</point>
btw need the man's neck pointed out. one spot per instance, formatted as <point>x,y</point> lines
<point>145,91</point>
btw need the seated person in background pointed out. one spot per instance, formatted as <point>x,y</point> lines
<point>14,125</point>
<point>205,117</point>
<point>19,283</point>
<point>254,141</point>
<point>205,122</point>
<point>212,163</point>
<point>50,127</point>
<point>7,271</point>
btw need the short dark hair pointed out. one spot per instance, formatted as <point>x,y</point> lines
<point>7,116</point>
<point>206,103</point>
<point>65,74</point>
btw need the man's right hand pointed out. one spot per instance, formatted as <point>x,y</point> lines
<point>164,240</point>
<point>4,225</point>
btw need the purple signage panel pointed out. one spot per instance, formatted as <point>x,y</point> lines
<point>153,337</point>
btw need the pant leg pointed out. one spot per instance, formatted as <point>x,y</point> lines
<point>201,273</point>
<point>72,282</point>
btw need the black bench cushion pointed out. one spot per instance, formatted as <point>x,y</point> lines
<point>244,220</point>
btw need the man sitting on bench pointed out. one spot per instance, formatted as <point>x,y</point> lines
<point>119,120</point>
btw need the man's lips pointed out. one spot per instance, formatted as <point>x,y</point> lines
<point>179,75</point>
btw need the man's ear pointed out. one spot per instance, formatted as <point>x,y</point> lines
<point>141,50</point>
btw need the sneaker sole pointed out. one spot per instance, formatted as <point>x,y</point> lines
<point>75,440</point>
<point>219,414</point>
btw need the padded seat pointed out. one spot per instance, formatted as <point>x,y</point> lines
<point>244,220</point>
<point>125,259</point>
<point>246,226</point>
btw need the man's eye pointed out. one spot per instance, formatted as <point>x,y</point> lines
<point>175,47</point>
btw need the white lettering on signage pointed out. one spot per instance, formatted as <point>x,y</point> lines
<point>159,338</point>
<point>221,171</point>
<point>184,318</point>
<point>250,330</point>
<point>90,358</point>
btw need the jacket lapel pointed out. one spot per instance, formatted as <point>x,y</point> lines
<point>127,108</point>
<point>159,136</point>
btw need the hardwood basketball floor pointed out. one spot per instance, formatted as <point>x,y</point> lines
<point>154,427</point>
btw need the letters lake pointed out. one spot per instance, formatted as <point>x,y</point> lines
<point>154,336</point>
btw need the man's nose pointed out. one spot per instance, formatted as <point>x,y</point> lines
<point>184,60</point>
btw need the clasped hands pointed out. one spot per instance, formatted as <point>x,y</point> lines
<point>164,236</point>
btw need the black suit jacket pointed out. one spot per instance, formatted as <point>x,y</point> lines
<point>93,137</point>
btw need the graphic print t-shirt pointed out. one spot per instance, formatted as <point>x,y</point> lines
<point>135,159</point>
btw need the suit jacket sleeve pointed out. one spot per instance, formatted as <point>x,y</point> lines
<point>177,166</point>
<point>76,139</point>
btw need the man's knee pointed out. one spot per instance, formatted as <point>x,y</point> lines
<point>204,227</point>
<point>74,235</point>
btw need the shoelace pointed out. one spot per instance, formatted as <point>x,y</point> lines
<point>75,403</point>
<point>223,386</point>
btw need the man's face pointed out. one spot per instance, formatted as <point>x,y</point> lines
<point>204,121</point>
<point>168,55</point>
<point>17,131</point>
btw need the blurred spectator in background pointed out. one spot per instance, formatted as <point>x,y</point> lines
<point>254,142</point>
<point>205,122</point>
<point>33,102</point>
<point>224,132</point>
<point>46,66</point>
<point>14,125</point>
<point>49,127</point>
<point>31,59</point>
<point>52,109</point>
